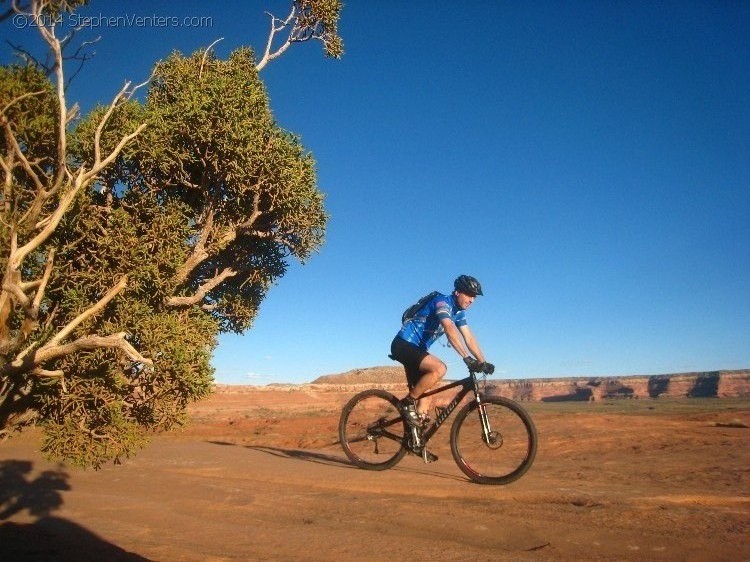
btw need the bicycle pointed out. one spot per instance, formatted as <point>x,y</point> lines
<point>495,446</point>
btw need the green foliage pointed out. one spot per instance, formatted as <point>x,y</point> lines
<point>213,146</point>
<point>56,7</point>
<point>198,215</point>
<point>320,18</point>
<point>108,406</point>
<point>213,169</point>
<point>35,125</point>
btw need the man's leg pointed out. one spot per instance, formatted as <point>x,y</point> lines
<point>432,370</point>
<point>422,372</point>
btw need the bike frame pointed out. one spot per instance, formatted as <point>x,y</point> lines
<point>469,384</point>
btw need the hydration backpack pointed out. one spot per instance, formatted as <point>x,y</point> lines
<point>411,312</point>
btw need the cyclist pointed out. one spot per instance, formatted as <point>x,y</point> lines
<point>440,314</point>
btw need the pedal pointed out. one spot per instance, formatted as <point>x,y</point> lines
<point>428,457</point>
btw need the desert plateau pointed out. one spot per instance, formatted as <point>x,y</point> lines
<point>647,473</point>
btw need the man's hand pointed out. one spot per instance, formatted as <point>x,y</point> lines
<point>487,368</point>
<point>473,365</point>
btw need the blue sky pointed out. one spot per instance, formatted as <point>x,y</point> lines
<point>588,162</point>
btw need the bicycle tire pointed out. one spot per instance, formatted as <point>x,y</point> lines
<point>372,430</point>
<point>512,447</point>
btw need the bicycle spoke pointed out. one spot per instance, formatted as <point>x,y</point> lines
<point>505,453</point>
<point>372,430</point>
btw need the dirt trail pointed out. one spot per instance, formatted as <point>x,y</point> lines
<point>236,485</point>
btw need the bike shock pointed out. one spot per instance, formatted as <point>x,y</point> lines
<point>486,429</point>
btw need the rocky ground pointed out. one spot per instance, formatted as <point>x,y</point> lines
<point>259,475</point>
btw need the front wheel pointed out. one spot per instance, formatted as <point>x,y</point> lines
<point>505,453</point>
<point>372,430</point>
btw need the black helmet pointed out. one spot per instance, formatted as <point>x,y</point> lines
<point>468,285</point>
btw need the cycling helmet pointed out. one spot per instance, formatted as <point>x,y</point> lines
<point>467,284</point>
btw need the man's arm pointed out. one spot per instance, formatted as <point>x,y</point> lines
<point>471,343</point>
<point>454,337</point>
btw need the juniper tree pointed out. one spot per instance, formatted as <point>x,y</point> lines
<point>133,236</point>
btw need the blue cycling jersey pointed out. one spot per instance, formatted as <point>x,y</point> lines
<point>424,328</point>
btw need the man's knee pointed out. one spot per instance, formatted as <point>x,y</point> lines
<point>441,370</point>
<point>434,367</point>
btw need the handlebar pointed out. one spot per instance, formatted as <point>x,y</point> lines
<point>475,366</point>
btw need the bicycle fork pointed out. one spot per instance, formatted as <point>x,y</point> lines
<point>486,429</point>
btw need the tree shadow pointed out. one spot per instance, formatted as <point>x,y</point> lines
<point>49,537</point>
<point>706,386</point>
<point>658,385</point>
<point>579,395</point>
<point>18,491</point>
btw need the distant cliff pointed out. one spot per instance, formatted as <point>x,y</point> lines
<point>369,375</point>
<point>711,384</point>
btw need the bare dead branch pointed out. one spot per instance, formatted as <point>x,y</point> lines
<point>73,112</point>
<point>14,289</point>
<point>30,363</point>
<point>81,57</point>
<point>88,343</point>
<point>43,285</point>
<point>18,152</point>
<point>199,253</point>
<point>267,55</point>
<point>50,224</point>
<point>113,292</point>
<point>15,8</point>
<point>47,373</point>
<point>28,58</point>
<point>205,55</point>
<point>83,179</point>
<point>91,174</point>
<point>28,285</point>
<point>48,34</point>
<point>19,98</point>
<point>202,291</point>
<point>231,235</point>
<point>103,121</point>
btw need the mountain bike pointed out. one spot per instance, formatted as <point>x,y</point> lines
<point>493,439</point>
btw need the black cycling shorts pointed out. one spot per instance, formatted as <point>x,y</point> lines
<point>410,356</point>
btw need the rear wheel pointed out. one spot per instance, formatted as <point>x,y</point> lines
<point>372,430</point>
<point>503,456</point>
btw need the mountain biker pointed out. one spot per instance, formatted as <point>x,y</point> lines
<point>440,314</point>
